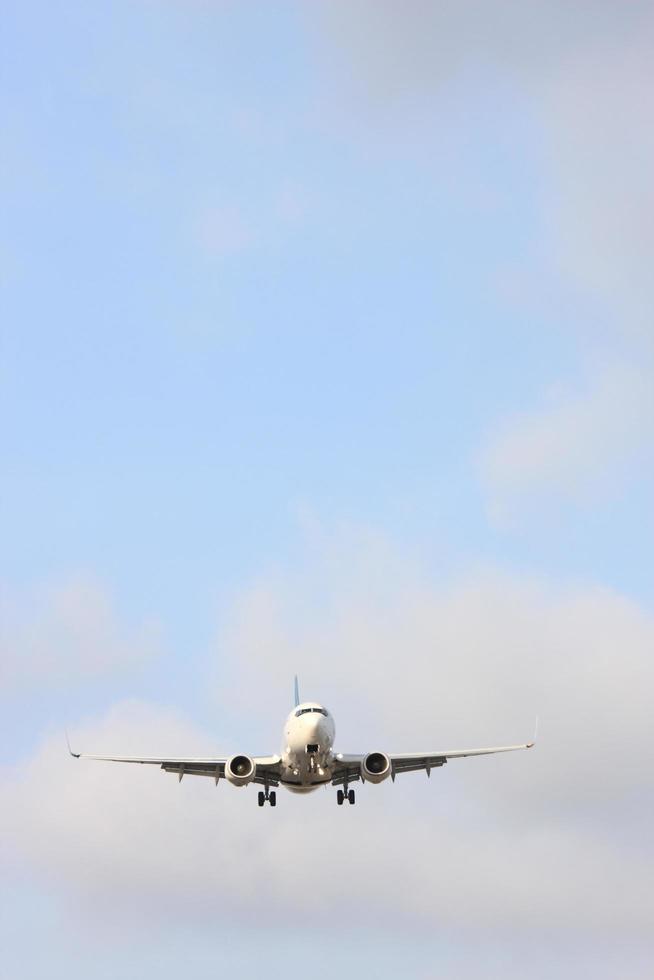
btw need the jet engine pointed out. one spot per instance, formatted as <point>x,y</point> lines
<point>240,770</point>
<point>375,767</point>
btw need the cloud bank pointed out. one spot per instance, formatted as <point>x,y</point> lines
<point>68,630</point>
<point>578,444</point>
<point>526,841</point>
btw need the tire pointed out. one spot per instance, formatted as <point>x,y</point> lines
<point>351,798</point>
<point>273,798</point>
<point>262,799</point>
<point>340,797</point>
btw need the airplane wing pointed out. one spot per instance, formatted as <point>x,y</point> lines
<point>267,767</point>
<point>348,767</point>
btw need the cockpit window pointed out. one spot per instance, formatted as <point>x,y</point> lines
<point>306,711</point>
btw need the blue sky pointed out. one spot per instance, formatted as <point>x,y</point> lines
<point>326,342</point>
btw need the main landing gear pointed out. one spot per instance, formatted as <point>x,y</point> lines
<point>271,796</point>
<point>342,795</point>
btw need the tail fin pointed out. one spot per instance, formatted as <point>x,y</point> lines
<point>297,692</point>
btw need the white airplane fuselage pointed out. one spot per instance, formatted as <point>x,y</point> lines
<point>307,751</point>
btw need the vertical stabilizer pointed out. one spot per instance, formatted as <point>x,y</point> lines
<point>297,692</point>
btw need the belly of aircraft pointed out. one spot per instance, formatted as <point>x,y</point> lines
<point>304,773</point>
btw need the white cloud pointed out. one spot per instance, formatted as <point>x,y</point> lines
<point>292,203</point>
<point>578,443</point>
<point>228,228</point>
<point>530,840</point>
<point>583,74</point>
<point>122,839</point>
<point>390,56</point>
<point>65,631</point>
<point>599,118</point>
<point>478,657</point>
<point>225,230</point>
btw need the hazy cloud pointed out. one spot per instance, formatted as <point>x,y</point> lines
<point>600,120</point>
<point>522,841</point>
<point>582,77</point>
<point>394,55</point>
<point>477,657</point>
<point>577,442</point>
<point>67,630</point>
<point>228,228</point>
<point>223,230</point>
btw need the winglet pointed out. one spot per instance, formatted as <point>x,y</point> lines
<point>531,744</point>
<point>75,755</point>
<point>297,692</point>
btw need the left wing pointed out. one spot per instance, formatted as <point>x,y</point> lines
<point>348,767</point>
<point>266,772</point>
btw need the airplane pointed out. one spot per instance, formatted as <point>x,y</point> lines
<point>307,760</point>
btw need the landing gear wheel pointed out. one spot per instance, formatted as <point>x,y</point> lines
<point>262,799</point>
<point>340,796</point>
<point>351,798</point>
<point>273,798</point>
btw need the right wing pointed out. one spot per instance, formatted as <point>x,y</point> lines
<point>267,767</point>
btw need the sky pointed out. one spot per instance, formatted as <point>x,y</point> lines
<point>326,347</point>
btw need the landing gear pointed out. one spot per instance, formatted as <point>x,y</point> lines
<point>345,794</point>
<point>269,795</point>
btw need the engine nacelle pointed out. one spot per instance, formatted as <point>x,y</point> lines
<point>240,770</point>
<point>375,767</point>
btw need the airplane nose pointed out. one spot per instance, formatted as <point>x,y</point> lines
<point>312,727</point>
